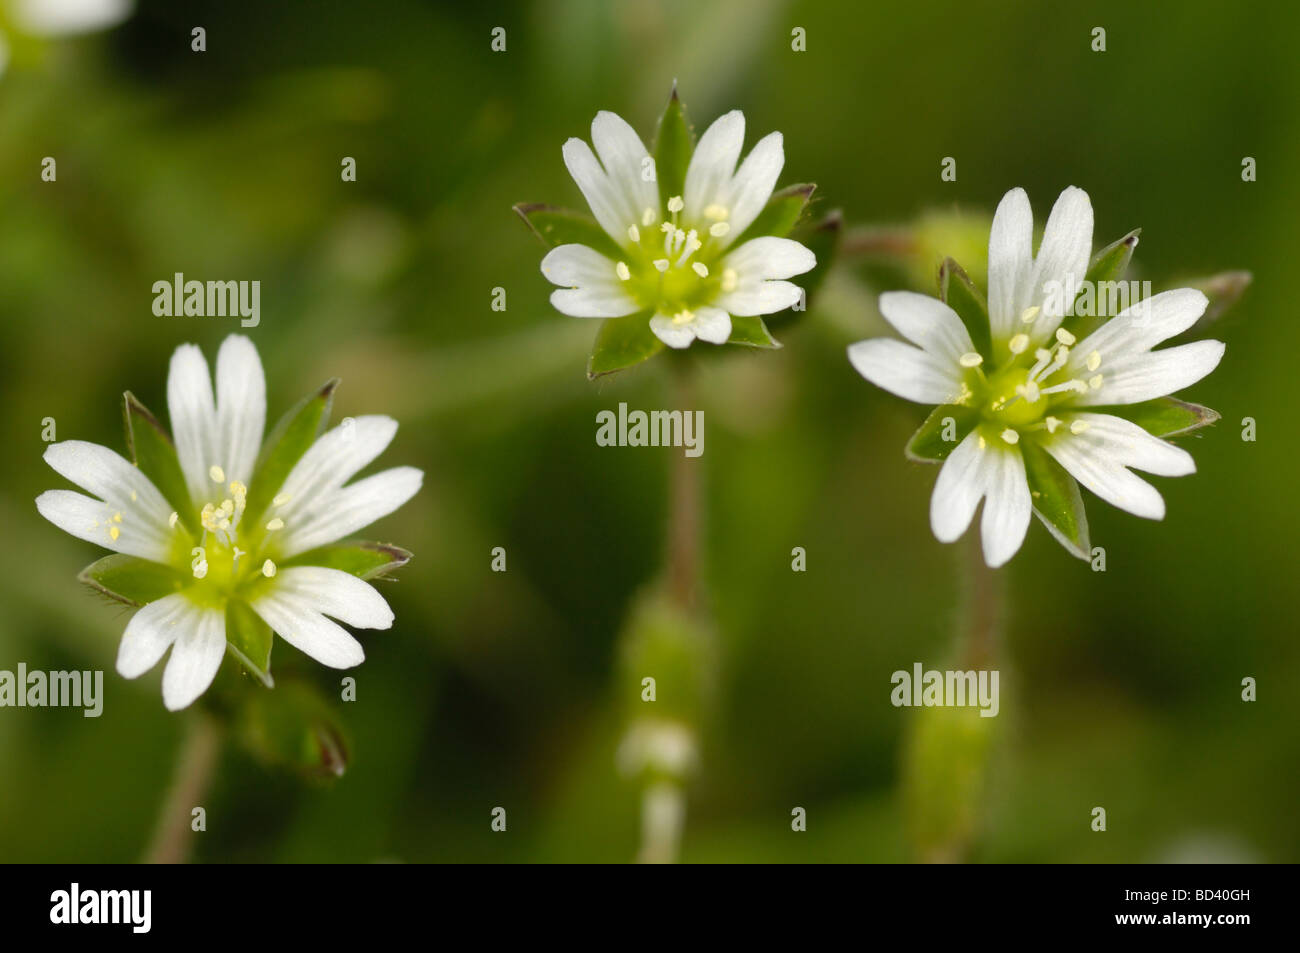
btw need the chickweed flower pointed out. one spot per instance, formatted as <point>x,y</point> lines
<point>220,540</point>
<point>1035,396</point>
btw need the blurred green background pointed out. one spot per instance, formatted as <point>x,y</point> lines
<point>1119,689</point>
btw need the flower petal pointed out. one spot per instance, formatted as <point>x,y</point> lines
<point>196,655</point>
<point>241,407</point>
<point>193,417</point>
<point>769,257</point>
<point>713,163</point>
<point>1099,456</point>
<point>760,297</point>
<point>928,323</point>
<point>1142,326</point>
<point>1133,378</point>
<point>753,184</point>
<point>295,620</point>
<point>1062,257</point>
<point>593,289</point>
<point>1010,261</point>
<point>333,460</point>
<point>341,513</point>
<point>1130,445</point>
<point>1007,504</point>
<point>958,490</point>
<point>93,520</point>
<point>906,371</point>
<point>608,204</point>
<point>623,155</point>
<point>671,333</point>
<point>712,325</point>
<point>338,594</point>
<point>149,633</point>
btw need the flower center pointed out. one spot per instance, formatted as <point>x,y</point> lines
<point>671,268</point>
<point>226,554</point>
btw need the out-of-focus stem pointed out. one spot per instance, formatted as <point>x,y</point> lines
<point>173,837</point>
<point>663,813</point>
<point>982,615</point>
<point>684,506</point>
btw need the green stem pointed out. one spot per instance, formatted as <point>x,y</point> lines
<point>172,837</point>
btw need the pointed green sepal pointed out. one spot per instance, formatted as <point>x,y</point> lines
<point>152,450</point>
<point>132,581</point>
<point>295,432</point>
<point>750,331</point>
<point>1108,265</point>
<point>1164,416</point>
<point>558,226</point>
<point>365,560</point>
<point>958,292</point>
<point>1224,290</point>
<point>294,727</point>
<point>947,426</point>
<point>1111,262</point>
<point>1056,499</point>
<point>674,143</point>
<point>780,215</point>
<point>248,640</point>
<point>622,343</point>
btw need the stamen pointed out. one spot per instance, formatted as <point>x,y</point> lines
<point>1029,314</point>
<point>700,269</point>
<point>716,212</point>
<point>268,569</point>
<point>1044,356</point>
<point>661,264</point>
<point>1010,436</point>
<point>1052,424</point>
<point>1094,360</point>
<point>275,524</point>
<point>622,270</point>
<point>693,245</point>
<point>648,217</point>
<point>1078,426</point>
<point>1096,381</point>
<point>675,204</point>
<point>1029,391</point>
<point>1018,344</point>
<point>971,359</point>
<point>171,520</point>
<point>281,499</point>
<point>718,229</point>
<point>218,475</point>
<point>1065,337</point>
<point>114,532</point>
<point>634,233</point>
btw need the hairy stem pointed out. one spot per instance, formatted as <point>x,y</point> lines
<point>173,838</point>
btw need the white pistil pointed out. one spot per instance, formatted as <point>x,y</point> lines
<point>1018,343</point>
<point>622,270</point>
<point>971,359</point>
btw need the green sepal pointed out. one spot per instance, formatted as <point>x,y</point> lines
<point>1164,416</point>
<point>958,292</point>
<point>1224,290</point>
<point>364,560</point>
<point>295,432</point>
<point>153,452</point>
<point>928,444</point>
<point>780,215</point>
<point>559,226</point>
<point>1111,262</point>
<point>1056,500</point>
<point>294,727</point>
<point>622,343</point>
<point>248,640</point>
<point>750,331</point>
<point>131,580</point>
<point>674,143</point>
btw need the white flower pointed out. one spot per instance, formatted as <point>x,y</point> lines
<point>676,259</point>
<point>229,558</point>
<point>63,17</point>
<point>1038,386</point>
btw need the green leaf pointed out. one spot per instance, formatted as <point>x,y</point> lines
<point>132,581</point>
<point>248,639</point>
<point>558,226</point>
<point>153,452</point>
<point>622,343</point>
<point>780,215</point>
<point>751,332</point>
<point>674,143</point>
<point>366,560</point>
<point>959,293</point>
<point>1164,416</point>
<point>292,435</point>
<point>294,727</point>
<point>928,444</point>
<point>1057,500</point>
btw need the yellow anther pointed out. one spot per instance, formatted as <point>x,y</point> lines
<point>1010,436</point>
<point>171,520</point>
<point>729,279</point>
<point>1064,336</point>
<point>114,532</point>
<point>1096,381</point>
<point>718,229</point>
<point>275,524</point>
<point>218,475</point>
<point>1078,426</point>
<point>238,489</point>
<point>268,569</point>
<point>117,517</point>
<point>971,359</point>
<point>647,217</point>
<point>717,213</point>
<point>675,204</point>
<point>634,233</point>
<point>1094,360</point>
<point>982,443</point>
<point>281,499</point>
<point>622,270</point>
<point>1018,343</point>
<point>661,264</point>
<point>700,269</point>
<point>1029,314</point>
<point>1052,424</point>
